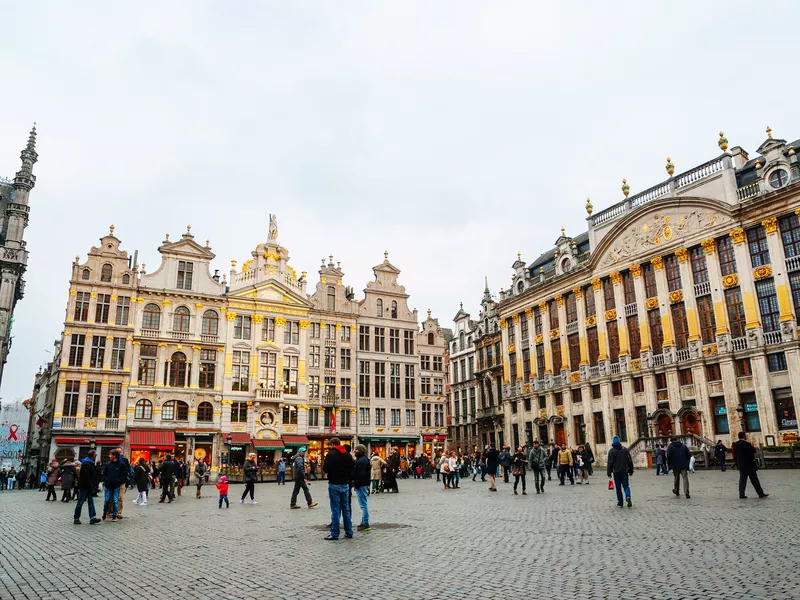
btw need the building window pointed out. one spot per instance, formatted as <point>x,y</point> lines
<point>768,304</point>
<point>380,339</point>
<point>523,327</point>
<point>184,281</point>
<point>574,344</point>
<point>776,362</point>
<point>608,294</point>
<point>345,359</point>
<point>290,415</point>
<point>555,351</point>
<point>330,331</point>
<point>394,381</point>
<point>147,364</point>
<point>98,352</point>
<point>540,364</point>
<point>363,337</point>
<point>180,319</point>
<point>438,415</point>
<point>526,364</point>
<point>613,341</point>
<point>411,417</point>
<point>395,417</point>
<point>438,364</point>
<point>313,386</point>
<point>345,388</point>
<point>727,256</point>
<point>105,273</point>
<point>571,308</point>
<point>143,410</point>
<point>205,412</point>
<point>759,248</point>
<point>102,308</point>
<point>673,270</point>
<point>239,412</point>
<point>210,324</point>
<point>656,333</point>
<point>71,395</point>
<point>720,415</point>
<point>363,379</point>
<point>81,306</point>
<point>512,333</point>
<point>425,386</point>
<point>313,417</point>
<point>179,370</point>
<point>291,333</point>
<point>616,388</point>
<point>634,341</point>
<point>699,265</point>
<point>751,421</point>
<point>241,371</point>
<point>380,417</point>
<point>92,399</point>
<point>426,415</point>
<point>790,235</point>
<point>599,428</point>
<point>650,288</point>
<point>592,345</point>
<point>743,367</point>
<point>713,372</point>
<point>794,285</point>
<point>346,334</point>
<point>394,310</point>
<point>313,331</point>
<point>175,410</point>
<point>114,400</point>
<point>621,429</point>
<point>151,317</point>
<point>553,312</point>
<point>661,381</point>
<point>126,279</point>
<point>638,385</point>
<point>363,416</point>
<point>77,341</point>
<point>784,408</point>
<point>330,357</point>
<point>705,313</point>
<point>425,362</point>
<point>410,382</point>
<point>512,366</point>
<point>331,298</point>
<point>685,376</point>
<point>344,417</point>
<point>596,394</point>
<point>736,318</point>
<point>379,307</point>
<point>123,310</point>
<point>380,380</point>
<point>208,369</point>
<point>680,325</point>
<point>313,357</point>
<point>537,320</point>
<point>394,341</point>
<point>290,370</point>
<point>118,353</point>
<point>85,275</point>
<point>628,287</point>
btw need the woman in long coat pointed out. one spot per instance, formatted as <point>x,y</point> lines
<point>375,474</point>
<point>68,474</point>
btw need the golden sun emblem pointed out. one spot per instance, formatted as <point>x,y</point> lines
<point>667,232</point>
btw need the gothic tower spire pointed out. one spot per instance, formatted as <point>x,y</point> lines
<point>25,179</point>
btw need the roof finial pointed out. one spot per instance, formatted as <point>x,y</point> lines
<point>769,132</point>
<point>486,282</point>
<point>429,313</point>
<point>669,167</point>
<point>563,232</point>
<point>462,305</point>
<point>519,255</point>
<point>31,147</point>
<point>723,141</point>
<point>589,207</point>
<point>111,230</point>
<point>626,189</point>
<point>386,255</point>
<point>188,229</point>
<point>208,243</point>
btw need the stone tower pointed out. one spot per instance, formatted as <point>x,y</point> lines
<point>13,255</point>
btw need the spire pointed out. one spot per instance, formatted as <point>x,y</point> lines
<point>24,179</point>
<point>487,295</point>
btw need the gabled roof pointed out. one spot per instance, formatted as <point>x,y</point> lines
<point>549,256</point>
<point>186,246</point>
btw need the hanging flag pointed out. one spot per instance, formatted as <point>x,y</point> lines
<point>333,420</point>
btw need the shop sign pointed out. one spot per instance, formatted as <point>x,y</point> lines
<point>788,423</point>
<point>721,410</point>
<point>224,459</point>
<point>236,448</point>
<point>790,437</point>
<point>751,407</point>
<point>196,434</point>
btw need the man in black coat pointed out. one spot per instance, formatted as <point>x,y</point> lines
<point>678,458</point>
<point>87,486</point>
<point>745,456</point>
<point>339,467</point>
<point>492,458</point>
<point>719,455</point>
<point>167,471</point>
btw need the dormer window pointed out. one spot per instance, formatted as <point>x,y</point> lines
<point>566,265</point>
<point>394,309</point>
<point>126,279</point>
<point>520,287</point>
<point>184,275</point>
<point>85,274</point>
<point>105,273</point>
<point>331,298</point>
<point>379,307</point>
<point>778,178</point>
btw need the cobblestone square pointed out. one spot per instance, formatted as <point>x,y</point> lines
<point>426,543</point>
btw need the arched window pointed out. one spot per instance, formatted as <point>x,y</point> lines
<point>144,410</point>
<point>178,370</point>
<point>379,307</point>
<point>63,454</point>
<point>175,410</point>
<point>105,272</point>
<point>461,341</point>
<point>85,274</point>
<point>180,320</point>
<point>520,287</point>
<point>151,318</point>
<point>394,309</point>
<point>210,323</point>
<point>496,328</point>
<point>205,412</point>
<point>430,339</point>
<point>126,279</point>
<point>331,298</point>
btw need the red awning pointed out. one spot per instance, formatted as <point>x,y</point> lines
<point>432,438</point>
<point>237,437</point>
<point>295,440</point>
<point>268,444</point>
<point>110,441</point>
<point>72,440</point>
<point>157,439</point>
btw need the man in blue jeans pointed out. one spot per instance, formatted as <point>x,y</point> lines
<point>114,475</point>
<point>87,485</point>
<point>339,467</point>
<point>620,466</point>
<point>361,474</point>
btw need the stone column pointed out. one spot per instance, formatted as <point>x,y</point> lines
<point>58,411</point>
<point>689,303</point>
<point>531,342</point>
<point>107,353</point>
<point>112,311</point>
<point>101,414</point>
<point>128,361</point>
<point>664,309</point>
<point>744,278</point>
<point>64,360</point>
<point>584,364</point>
<point>518,348</point>
<point>763,392</point>
<point>504,349</point>
<point>161,364</point>
<point>81,404</point>
<point>87,351</point>
<point>630,410</point>
<point>92,307</point>
<point>280,324</point>
<point>781,279</point>
<point>602,339</point>
<point>645,349</point>
<point>622,324</point>
<point>134,364</point>
<point>562,329</point>
<point>717,283</point>
<point>228,369</point>
<point>71,305</point>
<point>703,398</point>
<point>194,383</point>
<point>548,357</point>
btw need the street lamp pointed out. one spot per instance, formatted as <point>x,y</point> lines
<point>92,443</point>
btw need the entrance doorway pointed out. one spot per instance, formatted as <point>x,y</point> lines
<point>664,424</point>
<point>690,423</point>
<point>561,434</point>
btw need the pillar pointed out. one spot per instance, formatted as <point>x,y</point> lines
<point>622,324</point>
<point>161,364</point>
<point>746,285</point>
<point>134,361</point>
<point>602,341</point>
<point>582,332</point>
<point>548,357</point>
<point>689,302</point>
<point>781,279</point>
<point>641,309</point>
<point>194,383</point>
<point>562,330</point>
<point>664,308</point>
<point>107,353</point>
<point>717,292</point>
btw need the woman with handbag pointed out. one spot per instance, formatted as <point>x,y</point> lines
<point>444,469</point>
<point>584,462</point>
<point>200,470</point>
<point>518,462</point>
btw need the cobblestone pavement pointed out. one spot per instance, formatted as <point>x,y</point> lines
<point>571,542</point>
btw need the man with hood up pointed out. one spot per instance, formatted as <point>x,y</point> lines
<point>619,467</point>
<point>339,467</point>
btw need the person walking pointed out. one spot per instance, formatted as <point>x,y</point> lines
<point>68,475</point>
<point>282,471</point>
<point>587,448</point>
<point>444,469</point>
<point>538,459</point>
<point>126,467</point>
<point>661,460</point>
<point>200,470</point>
<point>745,456</point>
<point>299,476</point>
<point>250,478</point>
<point>492,458</point>
<point>719,454</point>
<point>181,475</point>
<point>376,464</point>
<point>518,462</point>
<point>114,475</point>
<point>338,465</point>
<point>312,469</point>
<point>565,465</point>
<point>619,468</point>
<point>584,463</point>
<point>678,457</point>
<point>553,462</point>
<point>362,473</point>
<point>11,479</point>
<point>87,486</point>
<point>222,486</point>
<point>141,477</point>
<point>52,480</point>
<point>167,471</point>
<point>505,462</point>
<point>392,471</point>
<point>455,470</point>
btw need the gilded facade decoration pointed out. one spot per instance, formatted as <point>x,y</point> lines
<point>657,262</point>
<point>730,280</point>
<point>770,225</point>
<point>539,338</point>
<point>616,278</point>
<point>611,314</point>
<point>762,272</point>
<point>555,333</point>
<point>597,284</point>
<point>682,254</point>
<point>636,269</point>
<point>676,296</point>
<point>737,235</point>
<point>578,293</point>
<point>591,321</point>
<point>709,245</point>
<point>559,299</point>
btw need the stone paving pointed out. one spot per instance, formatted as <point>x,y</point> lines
<point>571,542</point>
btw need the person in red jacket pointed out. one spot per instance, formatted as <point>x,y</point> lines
<point>222,486</point>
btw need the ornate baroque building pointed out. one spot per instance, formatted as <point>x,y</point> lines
<point>464,388</point>
<point>675,313</point>
<point>14,212</point>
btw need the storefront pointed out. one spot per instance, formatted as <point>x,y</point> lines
<point>319,445</point>
<point>238,447</point>
<point>268,452</point>
<point>150,444</point>
<point>199,446</point>
<point>432,445</point>
<point>78,447</point>
<point>408,447</point>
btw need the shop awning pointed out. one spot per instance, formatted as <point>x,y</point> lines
<point>401,440</point>
<point>157,439</point>
<point>237,437</point>
<point>72,440</point>
<point>433,437</point>
<point>110,441</point>
<point>268,444</point>
<point>295,440</point>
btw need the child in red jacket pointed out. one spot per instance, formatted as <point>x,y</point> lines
<point>222,486</point>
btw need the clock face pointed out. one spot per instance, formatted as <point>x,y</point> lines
<point>778,178</point>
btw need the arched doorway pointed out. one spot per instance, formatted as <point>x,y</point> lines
<point>664,425</point>
<point>690,422</point>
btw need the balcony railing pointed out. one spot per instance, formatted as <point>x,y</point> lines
<point>748,191</point>
<point>682,354</point>
<point>658,360</point>
<point>745,384</point>
<point>112,424</point>
<point>68,422</point>
<point>702,289</point>
<point>700,172</point>
<point>264,394</point>
<point>179,335</point>
<point>615,368</point>
<point>594,372</point>
<point>571,328</point>
<point>793,263</point>
<point>739,343</point>
<point>687,392</point>
<point>208,338</point>
<point>631,309</point>
<point>149,333</point>
<point>557,381</point>
<point>772,337</point>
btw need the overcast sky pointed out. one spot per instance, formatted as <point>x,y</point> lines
<point>452,134</point>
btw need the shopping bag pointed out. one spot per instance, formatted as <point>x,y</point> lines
<point>610,484</point>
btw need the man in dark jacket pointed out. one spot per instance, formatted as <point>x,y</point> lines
<point>114,475</point>
<point>537,460</point>
<point>87,485</point>
<point>505,462</point>
<point>719,454</point>
<point>492,458</point>
<point>166,474</point>
<point>619,467</point>
<point>128,481</point>
<point>299,476</point>
<point>553,461</point>
<point>361,476</point>
<point>339,467</point>
<point>678,457</point>
<point>745,456</point>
